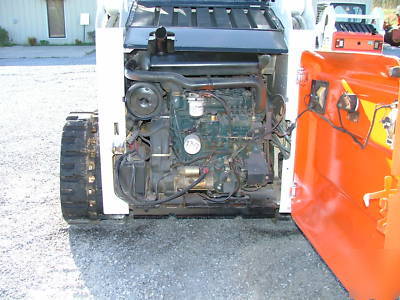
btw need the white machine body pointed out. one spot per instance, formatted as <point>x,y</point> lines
<point>299,24</point>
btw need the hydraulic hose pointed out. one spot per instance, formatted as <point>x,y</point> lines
<point>132,198</point>
<point>175,82</point>
<point>181,192</point>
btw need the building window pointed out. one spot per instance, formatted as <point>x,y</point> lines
<point>56,19</point>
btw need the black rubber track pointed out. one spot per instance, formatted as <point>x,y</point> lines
<point>80,173</point>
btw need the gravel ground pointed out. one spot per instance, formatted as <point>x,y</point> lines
<point>42,257</point>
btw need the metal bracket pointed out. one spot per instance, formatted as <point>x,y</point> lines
<point>293,189</point>
<point>384,197</point>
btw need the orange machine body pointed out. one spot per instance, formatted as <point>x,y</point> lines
<point>333,175</point>
<point>354,41</point>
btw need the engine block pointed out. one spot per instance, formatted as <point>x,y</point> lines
<point>218,126</point>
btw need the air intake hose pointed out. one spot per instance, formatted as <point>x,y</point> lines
<point>175,82</point>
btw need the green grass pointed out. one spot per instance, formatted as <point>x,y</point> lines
<point>82,44</point>
<point>38,45</point>
<point>7,45</point>
<point>65,44</point>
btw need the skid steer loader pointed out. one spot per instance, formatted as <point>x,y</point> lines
<point>222,109</point>
<point>349,25</point>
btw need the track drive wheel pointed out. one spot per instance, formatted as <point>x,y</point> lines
<point>80,173</point>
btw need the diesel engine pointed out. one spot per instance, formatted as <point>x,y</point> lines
<point>197,141</point>
<point>205,127</point>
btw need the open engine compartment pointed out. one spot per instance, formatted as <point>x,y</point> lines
<point>205,124</point>
<point>200,145</point>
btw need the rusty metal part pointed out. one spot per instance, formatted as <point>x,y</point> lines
<point>190,171</point>
<point>186,176</point>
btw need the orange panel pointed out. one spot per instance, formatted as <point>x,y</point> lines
<point>333,173</point>
<point>353,41</point>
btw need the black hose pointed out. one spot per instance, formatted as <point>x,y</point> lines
<point>119,190</point>
<point>222,101</point>
<point>181,192</point>
<point>189,162</point>
<point>282,114</point>
<point>238,181</point>
<point>170,80</point>
<point>130,197</point>
<point>159,180</point>
<point>222,199</point>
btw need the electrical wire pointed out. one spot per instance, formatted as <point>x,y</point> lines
<point>282,115</point>
<point>181,192</point>
<point>160,179</point>
<point>224,200</point>
<point>254,189</point>
<point>373,121</point>
<point>340,128</point>
<point>200,158</point>
<point>224,104</point>
<point>175,131</point>
<point>160,201</point>
<point>230,196</point>
<point>174,166</point>
<point>285,151</point>
<point>221,100</point>
<point>124,195</point>
<point>293,125</point>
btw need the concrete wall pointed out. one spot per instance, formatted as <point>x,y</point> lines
<point>28,18</point>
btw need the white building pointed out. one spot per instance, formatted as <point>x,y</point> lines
<point>55,21</point>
